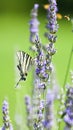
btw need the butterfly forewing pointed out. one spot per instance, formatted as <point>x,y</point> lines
<point>20,55</point>
<point>28,62</point>
<point>24,62</point>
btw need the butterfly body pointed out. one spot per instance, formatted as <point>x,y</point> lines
<point>25,61</point>
<point>21,73</point>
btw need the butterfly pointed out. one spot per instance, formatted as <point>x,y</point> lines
<point>25,61</point>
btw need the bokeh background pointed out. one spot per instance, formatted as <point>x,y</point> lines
<point>14,35</point>
<point>25,5</point>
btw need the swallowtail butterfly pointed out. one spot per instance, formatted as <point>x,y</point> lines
<point>25,61</point>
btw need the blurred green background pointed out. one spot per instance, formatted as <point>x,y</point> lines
<point>14,35</point>
<point>26,5</point>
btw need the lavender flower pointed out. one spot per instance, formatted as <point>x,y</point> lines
<point>49,117</point>
<point>43,68</point>
<point>60,111</point>
<point>6,118</point>
<point>37,105</point>
<point>29,111</point>
<point>41,71</point>
<point>68,112</point>
<point>34,23</point>
<point>52,27</point>
<point>51,16</point>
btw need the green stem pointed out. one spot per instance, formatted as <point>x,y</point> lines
<point>68,67</point>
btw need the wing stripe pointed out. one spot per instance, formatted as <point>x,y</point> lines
<point>28,63</point>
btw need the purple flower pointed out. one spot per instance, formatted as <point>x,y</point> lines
<point>34,23</point>
<point>42,86</point>
<point>36,6</point>
<point>34,26</point>
<point>48,122</point>
<point>6,118</point>
<point>27,100</point>
<point>52,25</point>
<point>10,128</point>
<point>29,110</point>
<point>68,120</point>
<point>68,117</point>
<point>49,97</point>
<point>42,105</point>
<point>37,71</point>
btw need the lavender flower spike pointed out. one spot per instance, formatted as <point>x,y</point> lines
<point>52,28</point>
<point>29,111</point>
<point>49,117</point>
<point>36,6</point>
<point>52,25</point>
<point>68,113</point>
<point>6,118</point>
<point>34,23</point>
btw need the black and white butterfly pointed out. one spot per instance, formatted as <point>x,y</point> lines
<point>25,61</point>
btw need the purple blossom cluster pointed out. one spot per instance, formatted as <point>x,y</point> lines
<point>43,69</point>
<point>6,118</point>
<point>34,23</point>
<point>35,115</point>
<point>52,25</point>
<point>49,117</point>
<point>29,111</point>
<point>68,113</point>
<point>40,108</point>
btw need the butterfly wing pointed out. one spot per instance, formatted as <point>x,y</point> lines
<point>25,61</point>
<point>20,60</point>
<point>28,62</point>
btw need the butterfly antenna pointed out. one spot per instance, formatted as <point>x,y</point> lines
<point>18,83</point>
